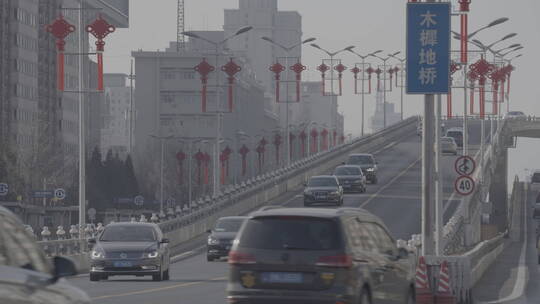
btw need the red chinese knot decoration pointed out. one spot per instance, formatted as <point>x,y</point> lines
<point>340,68</point>
<point>60,29</point>
<point>355,72</point>
<point>204,69</point>
<point>231,69</point>
<point>243,152</point>
<point>298,68</point>
<point>100,28</point>
<point>277,68</point>
<point>323,68</point>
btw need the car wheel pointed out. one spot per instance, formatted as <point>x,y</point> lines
<point>209,258</point>
<point>105,277</point>
<point>94,277</point>
<point>307,204</point>
<point>364,297</point>
<point>158,277</point>
<point>374,181</point>
<point>411,299</point>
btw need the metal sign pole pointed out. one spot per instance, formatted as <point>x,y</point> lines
<point>82,160</point>
<point>427,174</point>
<point>438,181</point>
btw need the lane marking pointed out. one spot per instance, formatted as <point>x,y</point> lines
<point>144,291</point>
<point>407,197</point>
<point>376,194</point>
<point>390,145</point>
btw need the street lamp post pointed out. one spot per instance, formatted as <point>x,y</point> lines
<point>363,80</point>
<point>162,140</point>
<point>287,51</point>
<point>402,61</point>
<point>332,55</point>
<point>218,111</point>
<point>384,83</point>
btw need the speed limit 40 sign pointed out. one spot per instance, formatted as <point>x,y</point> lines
<point>464,185</point>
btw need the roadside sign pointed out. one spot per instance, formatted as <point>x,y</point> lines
<point>465,165</point>
<point>428,48</point>
<point>60,194</point>
<point>4,189</point>
<point>464,185</point>
<point>139,200</point>
<point>171,201</point>
<point>42,194</point>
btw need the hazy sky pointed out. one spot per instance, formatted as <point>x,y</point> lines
<point>368,24</point>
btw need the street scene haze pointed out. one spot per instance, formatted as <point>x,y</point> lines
<point>269,151</point>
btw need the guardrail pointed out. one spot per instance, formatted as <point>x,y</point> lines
<point>238,199</point>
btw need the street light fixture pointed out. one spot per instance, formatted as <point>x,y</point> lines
<point>218,114</point>
<point>513,50</point>
<point>287,50</point>
<point>492,24</point>
<point>384,84</point>
<point>363,57</point>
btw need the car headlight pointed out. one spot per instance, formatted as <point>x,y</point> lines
<point>153,254</point>
<point>212,241</point>
<point>370,169</point>
<point>334,193</point>
<point>307,192</point>
<point>97,254</point>
<point>358,181</point>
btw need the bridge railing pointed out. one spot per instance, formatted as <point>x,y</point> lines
<point>200,215</point>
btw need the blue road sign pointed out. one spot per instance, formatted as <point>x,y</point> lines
<point>138,200</point>
<point>42,194</point>
<point>4,189</point>
<point>428,48</point>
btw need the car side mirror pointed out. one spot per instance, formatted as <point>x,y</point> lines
<point>209,231</point>
<point>305,184</point>
<point>165,241</point>
<point>62,267</point>
<point>91,241</point>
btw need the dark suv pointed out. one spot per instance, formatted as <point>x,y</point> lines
<point>368,164</point>
<point>315,255</point>
<point>222,236</point>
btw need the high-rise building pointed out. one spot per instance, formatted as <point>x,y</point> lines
<point>377,120</point>
<point>38,124</point>
<point>283,27</point>
<point>116,115</point>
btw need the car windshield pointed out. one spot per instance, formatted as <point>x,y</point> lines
<point>360,160</point>
<point>290,232</point>
<point>130,233</point>
<point>347,171</point>
<point>447,140</point>
<point>455,134</point>
<point>228,225</point>
<point>322,182</point>
<point>536,178</point>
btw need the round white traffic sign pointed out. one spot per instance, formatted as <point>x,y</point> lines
<point>465,165</point>
<point>60,194</point>
<point>4,189</point>
<point>464,185</point>
<point>92,213</point>
<point>139,200</point>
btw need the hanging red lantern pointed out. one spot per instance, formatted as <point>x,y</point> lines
<point>355,72</point>
<point>391,73</point>
<point>100,28</point>
<point>231,69</point>
<point>277,143</point>
<point>260,155</point>
<point>340,68</point>
<point>199,157</point>
<point>60,29</point>
<point>298,68</point>
<point>277,68</point>
<point>324,135</point>
<point>224,160</point>
<point>314,145</point>
<point>180,157</point>
<point>369,71</point>
<point>204,69</point>
<point>243,152</point>
<point>323,68</point>
<point>206,162</point>
<point>378,72</point>
<point>334,137</point>
<point>303,138</point>
<point>483,69</point>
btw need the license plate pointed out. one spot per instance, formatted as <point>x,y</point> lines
<point>282,277</point>
<point>123,264</point>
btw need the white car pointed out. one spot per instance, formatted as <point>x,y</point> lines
<point>515,115</point>
<point>448,145</point>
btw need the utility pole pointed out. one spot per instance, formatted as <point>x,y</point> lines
<point>131,77</point>
<point>82,147</point>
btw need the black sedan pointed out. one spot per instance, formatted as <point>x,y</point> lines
<point>351,178</point>
<point>323,189</point>
<point>130,249</point>
<point>222,236</point>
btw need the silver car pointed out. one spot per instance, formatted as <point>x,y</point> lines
<point>448,145</point>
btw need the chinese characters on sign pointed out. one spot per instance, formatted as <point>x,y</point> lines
<point>428,48</point>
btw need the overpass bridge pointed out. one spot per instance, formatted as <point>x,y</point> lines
<point>478,228</point>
